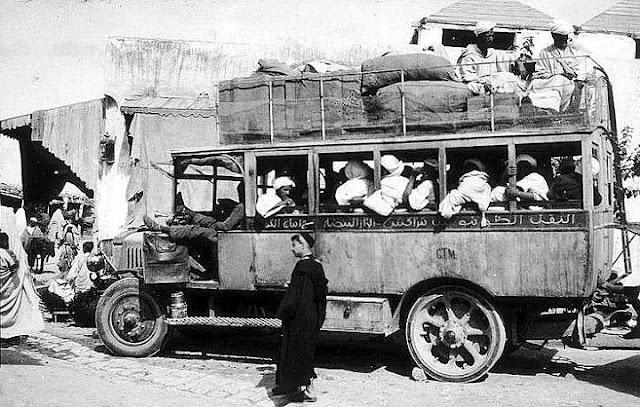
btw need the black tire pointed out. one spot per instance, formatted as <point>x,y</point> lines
<point>129,321</point>
<point>455,334</point>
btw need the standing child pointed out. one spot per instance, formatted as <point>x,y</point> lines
<point>302,312</point>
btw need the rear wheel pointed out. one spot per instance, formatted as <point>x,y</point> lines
<point>129,321</point>
<point>454,334</point>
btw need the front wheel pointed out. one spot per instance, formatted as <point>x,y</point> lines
<point>129,321</point>
<point>454,334</point>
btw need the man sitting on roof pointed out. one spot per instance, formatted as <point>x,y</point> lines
<point>483,68</point>
<point>559,65</point>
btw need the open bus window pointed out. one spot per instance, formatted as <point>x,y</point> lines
<point>346,179</point>
<point>229,192</point>
<point>210,184</point>
<point>533,175</point>
<point>474,173</point>
<point>281,185</point>
<point>197,193</point>
<point>418,171</point>
<point>558,165</point>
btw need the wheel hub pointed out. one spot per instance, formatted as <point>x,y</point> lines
<point>130,319</point>
<point>130,322</point>
<point>452,334</point>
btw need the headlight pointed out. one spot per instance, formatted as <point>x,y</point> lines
<point>95,263</point>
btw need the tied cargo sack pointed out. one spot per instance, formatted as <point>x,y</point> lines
<point>425,102</point>
<point>165,261</point>
<point>416,67</point>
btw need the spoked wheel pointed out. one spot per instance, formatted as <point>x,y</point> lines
<point>455,334</point>
<point>129,321</point>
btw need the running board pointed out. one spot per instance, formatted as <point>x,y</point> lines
<point>235,322</point>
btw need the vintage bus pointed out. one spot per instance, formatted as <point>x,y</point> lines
<point>462,291</point>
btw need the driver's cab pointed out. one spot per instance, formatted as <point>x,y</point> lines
<point>208,199</point>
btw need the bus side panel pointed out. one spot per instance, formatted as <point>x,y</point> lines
<point>602,241</point>
<point>540,263</point>
<point>273,259</point>
<point>236,261</point>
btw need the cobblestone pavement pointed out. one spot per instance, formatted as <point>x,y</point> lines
<point>235,369</point>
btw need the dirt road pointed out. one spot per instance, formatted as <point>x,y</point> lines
<point>234,368</point>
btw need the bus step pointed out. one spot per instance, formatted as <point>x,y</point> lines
<point>226,322</point>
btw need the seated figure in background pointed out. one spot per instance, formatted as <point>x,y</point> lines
<point>530,185</point>
<point>359,183</point>
<point>473,186</point>
<point>484,68</point>
<point>557,70</point>
<point>77,280</point>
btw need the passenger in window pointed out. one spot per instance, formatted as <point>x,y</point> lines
<point>473,186</point>
<point>567,185</point>
<point>359,183</point>
<point>557,69</point>
<point>530,185</point>
<point>277,198</point>
<point>393,186</point>
<point>425,194</point>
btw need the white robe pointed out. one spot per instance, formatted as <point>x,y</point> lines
<point>420,196</point>
<point>472,187</point>
<point>267,202</point>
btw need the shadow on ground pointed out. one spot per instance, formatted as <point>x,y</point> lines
<point>620,375</point>
<point>357,353</point>
<point>13,357</point>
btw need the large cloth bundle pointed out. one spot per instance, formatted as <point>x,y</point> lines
<point>244,104</point>
<point>424,101</point>
<point>416,67</point>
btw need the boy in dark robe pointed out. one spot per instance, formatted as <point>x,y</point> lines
<point>302,312</point>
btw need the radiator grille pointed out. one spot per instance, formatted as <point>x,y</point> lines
<point>134,257</point>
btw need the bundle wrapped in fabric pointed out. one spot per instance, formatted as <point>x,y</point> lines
<point>273,67</point>
<point>424,101</point>
<point>416,67</point>
<point>244,103</point>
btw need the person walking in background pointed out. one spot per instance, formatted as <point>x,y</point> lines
<point>29,237</point>
<point>302,312</point>
<point>19,304</point>
<point>55,226</point>
<point>68,251</point>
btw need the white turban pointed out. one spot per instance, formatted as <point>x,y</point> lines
<point>391,163</point>
<point>483,27</point>
<point>527,158</point>
<point>561,27</point>
<point>283,182</point>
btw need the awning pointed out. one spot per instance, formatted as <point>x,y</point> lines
<point>201,106</point>
<point>72,133</point>
<point>15,122</point>
<point>11,191</point>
